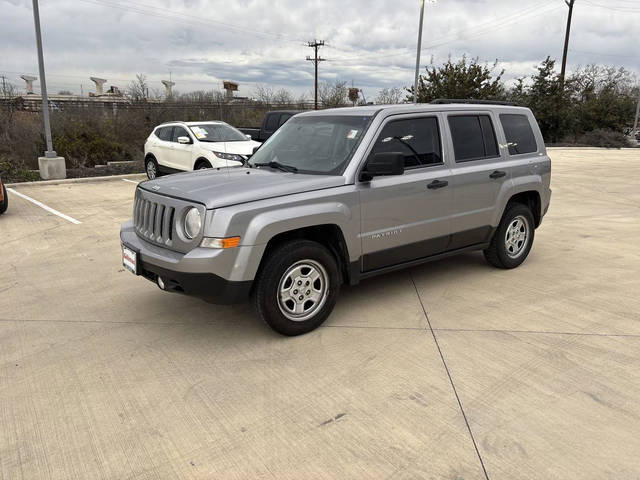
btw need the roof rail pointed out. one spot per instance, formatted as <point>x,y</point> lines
<point>445,101</point>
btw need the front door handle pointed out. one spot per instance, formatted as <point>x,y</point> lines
<point>498,174</point>
<point>437,184</point>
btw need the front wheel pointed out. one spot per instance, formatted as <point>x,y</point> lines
<point>513,239</point>
<point>297,287</point>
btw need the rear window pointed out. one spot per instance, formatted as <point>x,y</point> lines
<point>272,122</point>
<point>519,134</point>
<point>164,133</point>
<point>284,117</point>
<point>473,137</point>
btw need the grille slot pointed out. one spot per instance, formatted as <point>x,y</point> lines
<point>153,220</point>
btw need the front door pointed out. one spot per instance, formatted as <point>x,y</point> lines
<point>407,217</point>
<point>181,154</point>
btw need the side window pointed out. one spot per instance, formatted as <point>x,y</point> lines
<point>283,118</point>
<point>164,133</point>
<point>473,136</point>
<point>418,139</point>
<point>179,132</point>
<point>519,134</point>
<point>272,123</point>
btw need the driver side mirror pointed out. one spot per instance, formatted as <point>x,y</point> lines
<point>248,136</point>
<point>184,140</point>
<point>383,164</point>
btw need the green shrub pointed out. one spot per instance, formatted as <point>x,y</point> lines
<point>12,169</point>
<point>603,138</point>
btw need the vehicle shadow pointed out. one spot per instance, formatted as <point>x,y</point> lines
<point>387,300</point>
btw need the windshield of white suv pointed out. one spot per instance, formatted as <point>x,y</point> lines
<point>217,132</point>
<point>321,144</point>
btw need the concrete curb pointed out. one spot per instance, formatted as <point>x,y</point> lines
<point>130,176</point>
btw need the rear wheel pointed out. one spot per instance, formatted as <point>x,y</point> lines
<point>151,167</point>
<point>297,287</point>
<point>5,203</point>
<point>513,239</point>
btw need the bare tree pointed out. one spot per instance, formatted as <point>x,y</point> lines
<point>334,94</point>
<point>202,96</point>
<point>139,88</point>
<point>389,96</point>
<point>264,94</point>
<point>283,97</point>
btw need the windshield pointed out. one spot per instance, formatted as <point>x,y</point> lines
<point>217,132</point>
<point>319,144</point>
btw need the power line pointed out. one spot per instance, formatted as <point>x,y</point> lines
<point>472,32</point>
<point>157,12</point>
<point>599,54</point>
<point>316,60</point>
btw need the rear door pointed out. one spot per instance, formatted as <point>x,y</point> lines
<point>479,172</point>
<point>404,217</point>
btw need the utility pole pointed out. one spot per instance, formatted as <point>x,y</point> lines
<point>635,124</point>
<point>316,60</point>
<point>51,166</point>
<point>566,42</point>
<point>415,84</point>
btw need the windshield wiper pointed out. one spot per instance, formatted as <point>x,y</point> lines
<point>278,165</point>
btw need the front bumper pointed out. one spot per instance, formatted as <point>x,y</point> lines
<point>204,273</point>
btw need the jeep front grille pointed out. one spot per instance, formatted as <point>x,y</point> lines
<point>153,220</point>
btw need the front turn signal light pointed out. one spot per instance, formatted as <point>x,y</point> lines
<point>228,242</point>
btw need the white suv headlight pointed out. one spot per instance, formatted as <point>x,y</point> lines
<point>192,223</point>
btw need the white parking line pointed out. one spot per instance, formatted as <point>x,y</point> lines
<point>45,207</point>
<point>130,181</point>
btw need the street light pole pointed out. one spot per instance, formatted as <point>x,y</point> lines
<point>49,153</point>
<point>415,84</point>
<point>51,166</point>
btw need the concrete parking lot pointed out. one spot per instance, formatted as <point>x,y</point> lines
<point>450,370</point>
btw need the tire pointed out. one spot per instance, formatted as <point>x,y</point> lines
<point>297,261</point>
<point>5,203</point>
<point>151,167</point>
<point>513,239</point>
<point>202,165</point>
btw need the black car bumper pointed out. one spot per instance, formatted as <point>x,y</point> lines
<point>207,286</point>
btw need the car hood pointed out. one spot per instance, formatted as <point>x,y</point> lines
<point>239,148</point>
<point>223,187</point>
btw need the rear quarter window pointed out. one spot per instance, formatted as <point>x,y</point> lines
<point>519,134</point>
<point>272,122</point>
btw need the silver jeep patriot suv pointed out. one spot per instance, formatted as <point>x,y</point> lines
<point>336,196</point>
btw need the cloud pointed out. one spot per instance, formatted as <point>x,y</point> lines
<point>202,42</point>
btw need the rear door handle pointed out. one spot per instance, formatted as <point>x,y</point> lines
<point>437,184</point>
<point>498,174</point>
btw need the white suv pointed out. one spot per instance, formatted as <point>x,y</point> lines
<point>186,146</point>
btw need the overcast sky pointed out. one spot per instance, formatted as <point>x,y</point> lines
<point>369,42</point>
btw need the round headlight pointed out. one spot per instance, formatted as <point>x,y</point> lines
<point>192,223</point>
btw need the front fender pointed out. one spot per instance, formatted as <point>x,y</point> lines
<point>265,225</point>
